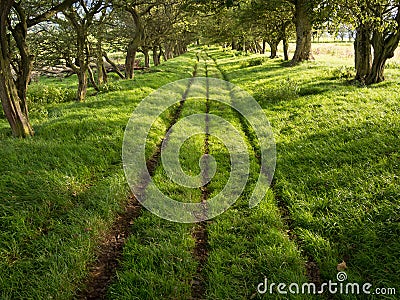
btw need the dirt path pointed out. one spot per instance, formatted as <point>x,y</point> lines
<point>200,251</point>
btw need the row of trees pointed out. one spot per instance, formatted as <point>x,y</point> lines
<point>80,33</point>
<point>247,24</point>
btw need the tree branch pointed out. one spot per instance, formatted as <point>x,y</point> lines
<point>51,12</point>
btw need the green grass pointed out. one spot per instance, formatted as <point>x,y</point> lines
<point>61,189</point>
<point>337,177</point>
<point>337,169</point>
<point>245,246</point>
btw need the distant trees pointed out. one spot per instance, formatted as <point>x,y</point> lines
<point>272,22</point>
<point>246,25</point>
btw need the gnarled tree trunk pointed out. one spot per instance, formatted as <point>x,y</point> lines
<point>130,60</point>
<point>274,49</point>
<point>362,50</point>
<point>114,66</point>
<point>13,93</point>
<point>303,32</point>
<point>264,46</point>
<point>160,53</point>
<point>92,79</point>
<point>285,48</point>
<point>11,102</point>
<point>82,85</point>
<point>101,75</point>
<point>136,42</point>
<point>384,48</point>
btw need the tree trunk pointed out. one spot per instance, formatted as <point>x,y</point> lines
<point>99,63</point>
<point>83,63</point>
<point>377,70</point>
<point>303,33</point>
<point>146,57</point>
<point>92,80</point>
<point>274,48</point>
<point>82,85</point>
<point>384,48</point>
<point>168,52</point>
<point>362,50</point>
<point>104,71</point>
<point>156,61</point>
<point>10,101</point>
<point>15,107</point>
<point>264,46</point>
<point>115,67</point>
<point>139,37</point>
<point>130,61</point>
<point>24,69</point>
<point>258,47</point>
<point>164,55</point>
<point>285,48</point>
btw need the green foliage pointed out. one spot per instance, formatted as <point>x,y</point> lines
<point>392,65</point>
<point>46,94</point>
<point>252,62</point>
<point>110,87</point>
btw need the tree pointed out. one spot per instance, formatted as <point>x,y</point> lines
<point>303,23</point>
<point>166,26</point>
<point>135,28</point>
<point>308,13</point>
<point>385,36</point>
<point>16,59</point>
<point>377,24</point>
<point>272,22</point>
<point>81,17</point>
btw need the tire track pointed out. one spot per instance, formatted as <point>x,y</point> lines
<point>200,251</point>
<point>103,270</point>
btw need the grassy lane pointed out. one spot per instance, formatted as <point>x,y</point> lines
<point>61,189</point>
<point>157,260</point>
<point>246,245</point>
<point>337,169</point>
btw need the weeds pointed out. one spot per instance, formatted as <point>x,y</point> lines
<point>49,94</point>
<point>343,72</point>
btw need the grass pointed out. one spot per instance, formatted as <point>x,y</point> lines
<point>61,189</point>
<point>337,169</point>
<point>335,196</point>
<point>247,245</point>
